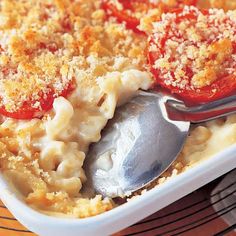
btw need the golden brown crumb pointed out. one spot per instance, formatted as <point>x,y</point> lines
<point>41,39</point>
<point>197,52</point>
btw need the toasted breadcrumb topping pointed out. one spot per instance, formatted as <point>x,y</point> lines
<point>40,39</point>
<point>223,4</point>
<point>196,51</point>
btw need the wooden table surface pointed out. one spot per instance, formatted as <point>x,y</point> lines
<point>191,216</point>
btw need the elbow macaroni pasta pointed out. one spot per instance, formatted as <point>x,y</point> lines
<point>63,114</point>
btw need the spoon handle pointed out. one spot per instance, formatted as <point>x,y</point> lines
<point>177,110</point>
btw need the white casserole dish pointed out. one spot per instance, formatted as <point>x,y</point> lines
<point>127,214</point>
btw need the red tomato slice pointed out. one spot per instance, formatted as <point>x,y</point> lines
<point>130,8</point>
<point>224,82</point>
<point>27,112</point>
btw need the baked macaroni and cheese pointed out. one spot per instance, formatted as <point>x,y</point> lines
<point>65,65</point>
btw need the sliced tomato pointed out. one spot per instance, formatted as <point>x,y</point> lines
<point>130,8</point>
<point>223,86</point>
<point>122,15</point>
<point>27,111</point>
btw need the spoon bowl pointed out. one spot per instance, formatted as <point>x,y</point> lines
<point>137,145</point>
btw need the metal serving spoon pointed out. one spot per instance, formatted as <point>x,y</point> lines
<point>143,139</point>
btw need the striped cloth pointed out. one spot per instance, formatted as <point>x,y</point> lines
<point>199,213</point>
